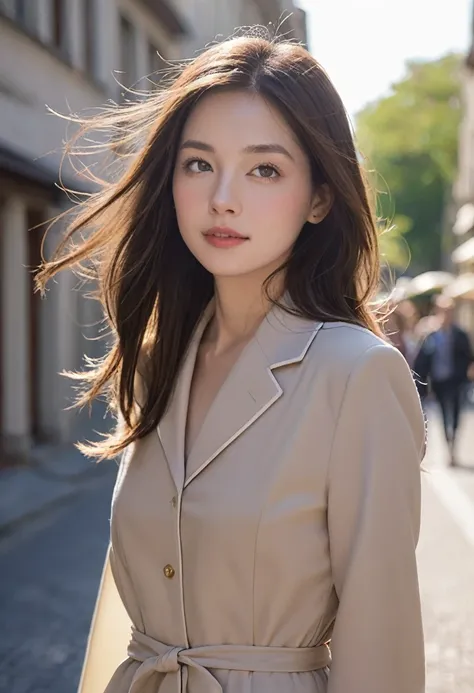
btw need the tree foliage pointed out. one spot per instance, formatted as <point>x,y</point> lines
<point>409,142</point>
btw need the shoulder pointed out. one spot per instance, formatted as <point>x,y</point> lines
<point>374,382</point>
<point>347,347</point>
<point>348,362</point>
<point>462,334</point>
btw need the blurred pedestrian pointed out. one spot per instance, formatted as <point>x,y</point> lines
<point>410,333</point>
<point>394,327</point>
<point>267,508</point>
<point>443,362</point>
<point>401,328</point>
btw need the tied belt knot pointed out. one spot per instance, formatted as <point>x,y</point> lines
<point>166,663</point>
<point>156,657</point>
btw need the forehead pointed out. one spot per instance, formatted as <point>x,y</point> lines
<point>239,118</point>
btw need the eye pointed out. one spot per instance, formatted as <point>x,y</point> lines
<point>266,171</point>
<point>196,165</point>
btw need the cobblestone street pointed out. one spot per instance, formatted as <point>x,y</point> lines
<point>50,569</point>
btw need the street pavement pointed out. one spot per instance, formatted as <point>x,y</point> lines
<point>446,560</point>
<point>50,570</point>
<point>50,566</point>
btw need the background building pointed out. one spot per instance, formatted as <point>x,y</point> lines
<point>462,256</point>
<point>72,55</point>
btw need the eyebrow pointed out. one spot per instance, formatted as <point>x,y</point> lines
<point>250,149</point>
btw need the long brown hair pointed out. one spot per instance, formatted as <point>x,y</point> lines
<point>152,288</point>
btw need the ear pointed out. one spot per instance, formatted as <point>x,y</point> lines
<point>321,204</point>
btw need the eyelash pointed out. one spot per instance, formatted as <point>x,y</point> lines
<point>186,164</point>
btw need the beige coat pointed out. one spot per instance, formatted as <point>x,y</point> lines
<point>294,523</point>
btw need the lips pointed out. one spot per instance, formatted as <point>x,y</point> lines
<point>223,237</point>
<point>225,232</point>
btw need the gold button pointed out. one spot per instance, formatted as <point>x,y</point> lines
<point>168,570</point>
<point>174,501</point>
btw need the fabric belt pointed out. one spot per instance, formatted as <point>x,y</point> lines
<point>156,657</point>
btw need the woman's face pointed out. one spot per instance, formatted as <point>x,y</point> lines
<point>242,185</point>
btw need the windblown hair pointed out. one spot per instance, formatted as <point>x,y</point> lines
<point>126,236</point>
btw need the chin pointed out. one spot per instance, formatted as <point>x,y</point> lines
<point>220,269</point>
<point>224,266</point>
<point>232,263</point>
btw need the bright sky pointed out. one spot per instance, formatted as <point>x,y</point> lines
<point>363,44</point>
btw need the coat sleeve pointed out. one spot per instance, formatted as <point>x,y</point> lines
<point>374,520</point>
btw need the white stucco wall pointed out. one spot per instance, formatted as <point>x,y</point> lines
<point>34,80</point>
<point>464,186</point>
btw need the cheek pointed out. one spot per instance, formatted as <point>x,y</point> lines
<point>287,206</point>
<point>186,197</point>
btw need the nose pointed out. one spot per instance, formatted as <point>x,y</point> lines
<point>225,198</point>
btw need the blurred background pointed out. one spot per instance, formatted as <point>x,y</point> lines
<point>405,72</point>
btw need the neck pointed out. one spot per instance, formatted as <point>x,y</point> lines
<point>241,306</point>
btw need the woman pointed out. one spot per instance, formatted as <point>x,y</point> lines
<point>267,508</point>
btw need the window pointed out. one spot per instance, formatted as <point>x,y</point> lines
<point>127,53</point>
<point>23,12</point>
<point>58,24</point>
<point>89,37</point>
<point>8,7</point>
<point>27,14</point>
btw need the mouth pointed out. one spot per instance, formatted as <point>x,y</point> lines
<point>225,233</point>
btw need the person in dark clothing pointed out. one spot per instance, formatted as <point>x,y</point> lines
<point>443,361</point>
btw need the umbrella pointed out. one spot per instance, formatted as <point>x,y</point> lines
<point>461,287</point>
<point>428,282</point>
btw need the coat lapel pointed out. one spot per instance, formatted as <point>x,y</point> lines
<point>251,387</point>
<point>172,427</point>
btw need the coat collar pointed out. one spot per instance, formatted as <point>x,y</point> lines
<point>249,390</point>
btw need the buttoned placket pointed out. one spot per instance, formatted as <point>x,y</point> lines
<point>171,432</point>
<point>179,507</point>
<point>170,573</point>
